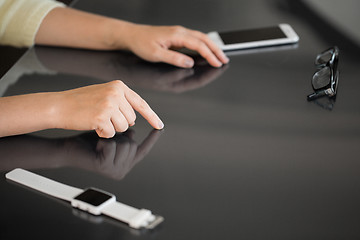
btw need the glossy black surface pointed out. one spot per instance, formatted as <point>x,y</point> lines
<point>243,154</point>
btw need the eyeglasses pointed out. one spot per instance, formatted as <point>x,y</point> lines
<point>325,79</point>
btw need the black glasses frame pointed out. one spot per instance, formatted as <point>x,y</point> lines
<point>332,64</point>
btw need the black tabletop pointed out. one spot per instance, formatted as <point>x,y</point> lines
<point>243,154</point>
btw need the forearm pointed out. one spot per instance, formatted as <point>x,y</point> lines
<point>69,27</point>
<point>27,113</point>
<point>106,108</point>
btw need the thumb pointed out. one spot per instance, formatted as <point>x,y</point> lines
<point>175,58</point>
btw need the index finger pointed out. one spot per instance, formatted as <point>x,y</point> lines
<point>211,45</point>
<point>199,46</point>
<point>141,106</point>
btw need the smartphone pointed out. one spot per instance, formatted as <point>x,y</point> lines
<point>255,38</point>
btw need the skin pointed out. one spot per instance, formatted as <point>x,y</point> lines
<point>106,108</point>
<point>73,28</point>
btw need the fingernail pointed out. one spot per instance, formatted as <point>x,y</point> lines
<point>161,125</point>
<point>189,63</point>
<point>225,58</point>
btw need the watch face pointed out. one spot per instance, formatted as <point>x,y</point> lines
<point>93,197</point>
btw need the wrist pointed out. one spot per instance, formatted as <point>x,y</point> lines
<point>119,34</point>
<point>52,111</point>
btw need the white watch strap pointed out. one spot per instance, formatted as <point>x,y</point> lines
<point>43,184</point>
<point>120,211</point>
<point>136,218</point>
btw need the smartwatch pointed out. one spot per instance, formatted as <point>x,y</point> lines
<point>92,200</point>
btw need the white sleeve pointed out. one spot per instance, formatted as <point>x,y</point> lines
<point>21,19</point>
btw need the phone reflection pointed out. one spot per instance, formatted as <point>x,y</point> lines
<point>113,158</point>
<point>125,66</point>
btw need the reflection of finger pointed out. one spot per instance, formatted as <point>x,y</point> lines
<point>163,84</point>
<point>202,77</point>
<point>129,162</point>
<point>173,76</point>
<point>148,143</point>
<point>130,133</point>
<point>125,152</point>
<point>199,80</point>
<point>208,76</point>
<point>122,153</point>
<point>105,153</point>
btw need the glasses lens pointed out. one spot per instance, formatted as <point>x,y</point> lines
<point>324,57</point>
<point>321,78</point>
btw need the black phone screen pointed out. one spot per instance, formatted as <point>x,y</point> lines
<point>252,35</point>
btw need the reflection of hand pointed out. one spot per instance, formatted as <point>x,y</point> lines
<point>200,78</point>
<point>113,158</point>
<point>129,68</point>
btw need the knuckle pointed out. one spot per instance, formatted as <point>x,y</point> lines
<point>107,103</point>
<point>107,134</point>
<point>97,121</point>
<point>115,88</point>
<point>123,127</point>
<point>117,83</point>
<point>202,36</point>
<point>142,105</point>
<point>178,29</point>
<point>203,49</point>
<point>110,93</point>
<point>132,118</point>
<point>156,54</point>
<point>201,46</point>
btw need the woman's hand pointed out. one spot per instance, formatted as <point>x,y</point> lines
<point>106,108</point>
<point>156,44</point>
<point>78,29</point>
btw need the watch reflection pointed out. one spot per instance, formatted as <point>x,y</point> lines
<point>113,158</point>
